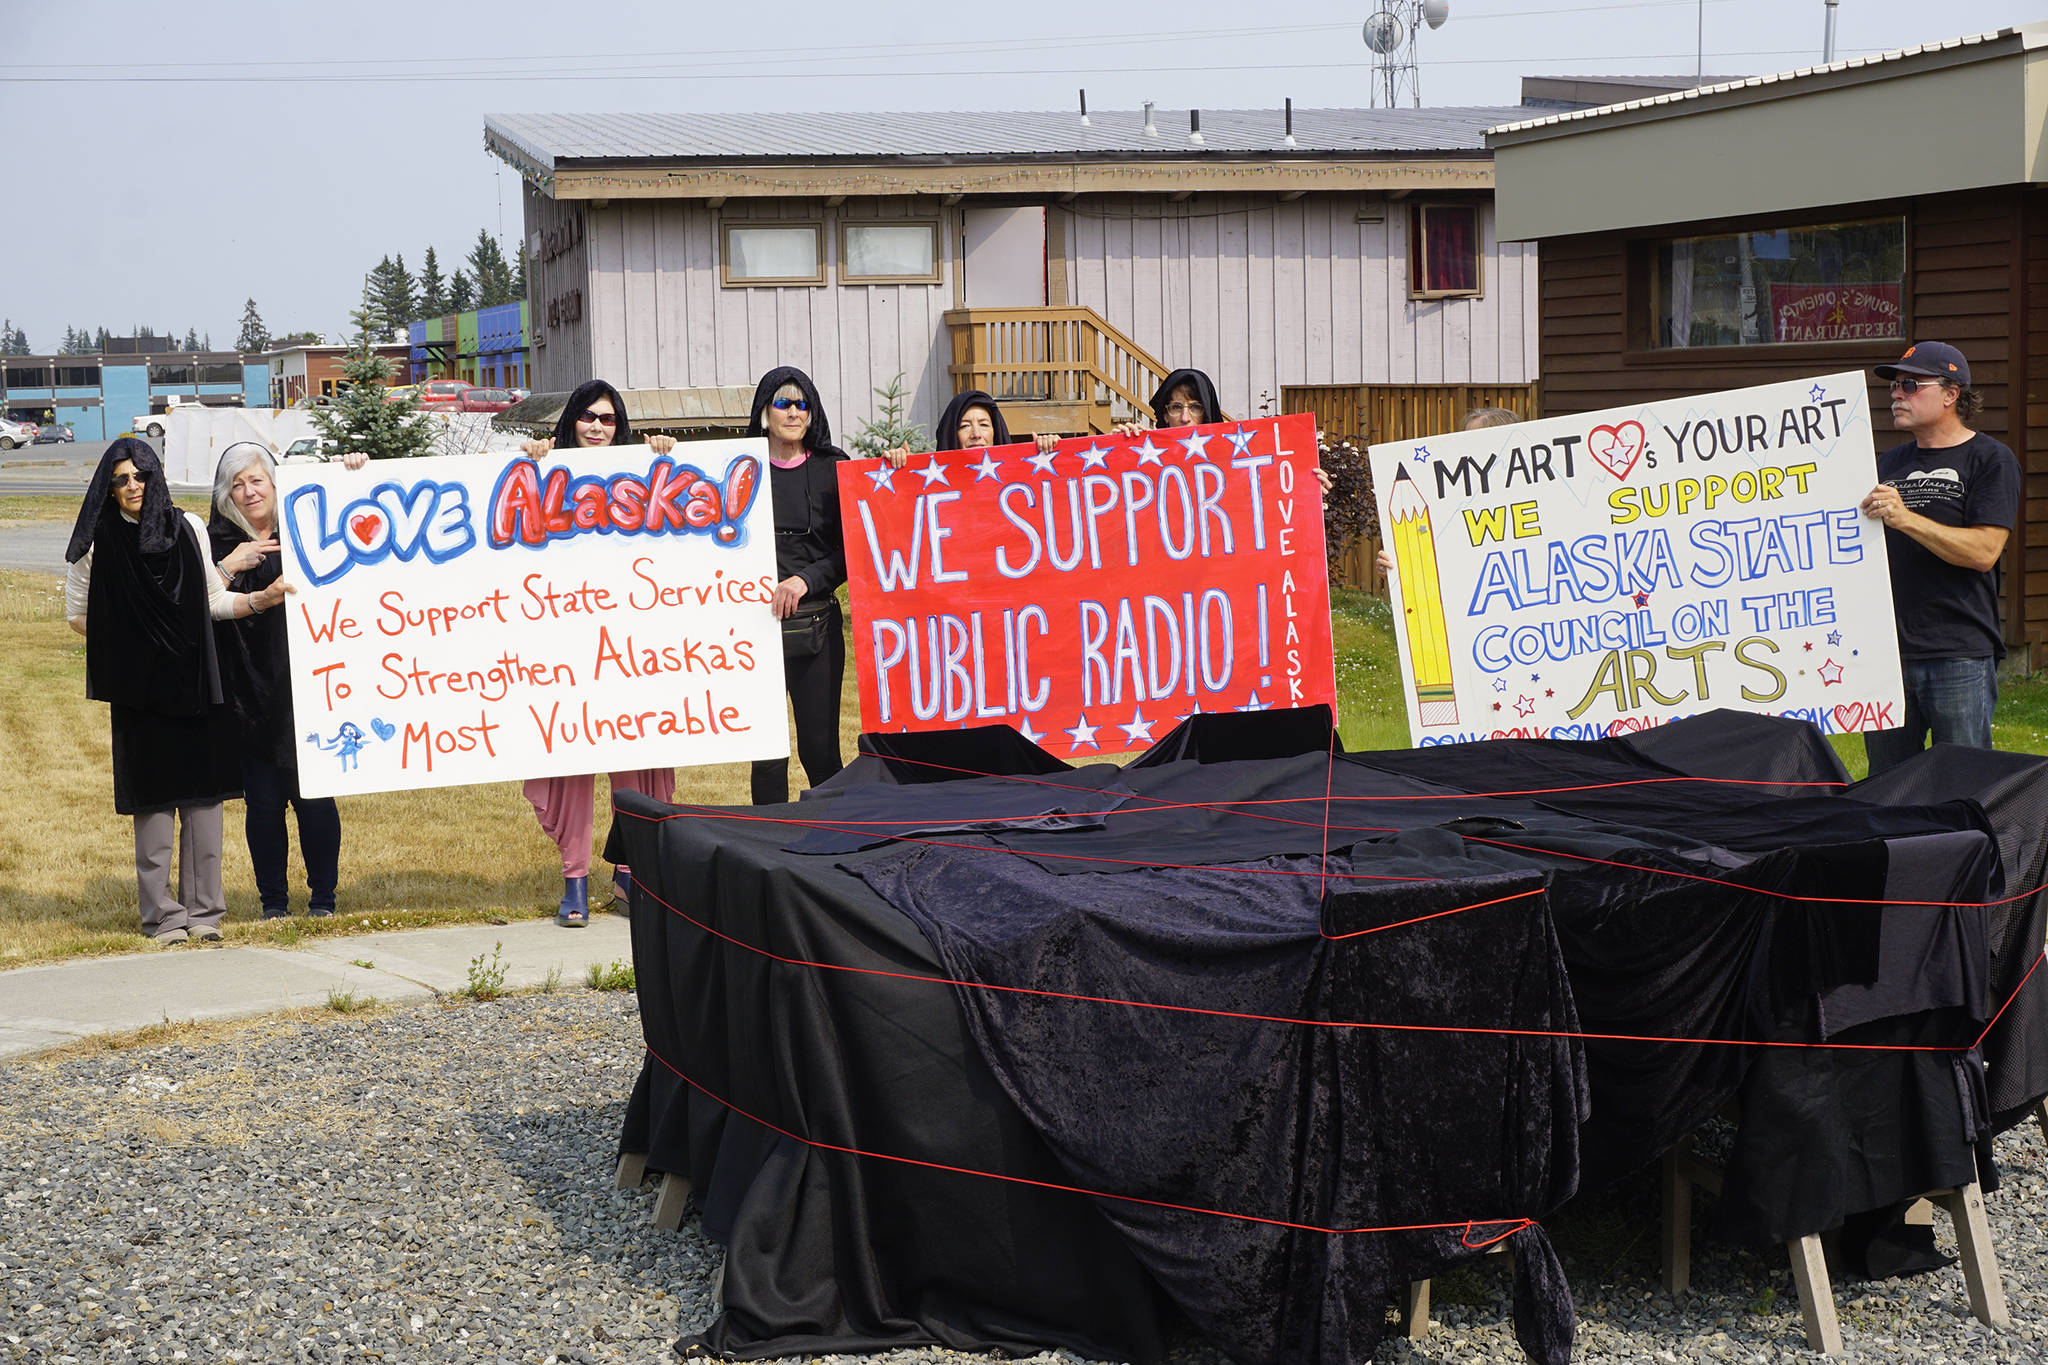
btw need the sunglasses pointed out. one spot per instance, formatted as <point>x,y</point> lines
<point>1910,386</point>
<point>603,419</point>
<point>140,477</point>
<point>785,404</point>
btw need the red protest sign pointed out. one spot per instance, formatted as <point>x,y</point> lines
<point>1095,595</point>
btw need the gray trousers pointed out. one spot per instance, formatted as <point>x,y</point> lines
<point>200,902</point>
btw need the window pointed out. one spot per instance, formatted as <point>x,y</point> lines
<point>220,374</point>
<point>1443,251</point>
<point>1826,282</point>
<point>895,252</point>
<point>78,376</point>
<point>773,253</point>
<point>327,388</point>
<point>28,377</point>
<point>171,374</point>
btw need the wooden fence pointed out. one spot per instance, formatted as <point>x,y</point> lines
<point>1394,412</point>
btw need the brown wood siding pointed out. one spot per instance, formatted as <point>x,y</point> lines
<point>1977,268</point>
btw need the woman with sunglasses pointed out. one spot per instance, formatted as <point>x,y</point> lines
<point>141,592</point>
<point>256,683</point>
<point>810,564</point>
<point>595,415</point>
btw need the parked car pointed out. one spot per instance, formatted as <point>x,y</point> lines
<point>486,400</point>
<point>309,450</point>
<point>58,433</point>
<point>14,433</point>
<point>400,393</point>
<point>444,395</point>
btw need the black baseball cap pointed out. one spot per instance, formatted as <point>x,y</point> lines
<point>1935,358</point>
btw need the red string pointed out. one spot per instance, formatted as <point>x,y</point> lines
<point>1467,1224</point>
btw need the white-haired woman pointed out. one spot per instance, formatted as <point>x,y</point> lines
<point>256,683</point>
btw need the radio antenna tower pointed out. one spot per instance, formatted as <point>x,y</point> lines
<point>1390,33</point>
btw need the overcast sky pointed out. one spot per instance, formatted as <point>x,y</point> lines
<point>169,162</point>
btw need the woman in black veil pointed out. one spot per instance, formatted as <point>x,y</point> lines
<point>142,592</point>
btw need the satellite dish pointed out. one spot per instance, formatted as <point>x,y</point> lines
<point>1434,12</point>
<point>1384,32</point>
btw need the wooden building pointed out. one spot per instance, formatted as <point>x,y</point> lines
<point>1064,263</point>
<point>1796,224</point>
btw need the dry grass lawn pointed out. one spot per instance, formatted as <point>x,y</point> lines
<point>67,861</point>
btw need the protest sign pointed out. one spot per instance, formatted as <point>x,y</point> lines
<point>1589,575</point>
<point>1094,595</point>
<point>474,618</point>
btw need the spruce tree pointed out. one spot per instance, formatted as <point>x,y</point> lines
<point>191,339</point>
<point>70,342</point>
<point>461,293</point>
<point>518,275</point>
<point>362,417</point>
<point>254,336</point>
<point>99,343</point>
<point>433,290</point>
<point>487,265</point>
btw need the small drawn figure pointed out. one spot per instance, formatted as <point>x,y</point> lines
<point>348,742</point>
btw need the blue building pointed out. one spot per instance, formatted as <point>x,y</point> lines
<point>100,396</point>
<point>485,346</point>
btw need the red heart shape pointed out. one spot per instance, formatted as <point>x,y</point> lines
<point>365,526</point>
<point>1620,450</point>
<point>1849,717</point>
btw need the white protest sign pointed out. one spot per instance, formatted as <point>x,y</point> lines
<point>1584,576</point>
<point>477,618</point>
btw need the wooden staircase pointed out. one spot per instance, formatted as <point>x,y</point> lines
<point>1063,369</point>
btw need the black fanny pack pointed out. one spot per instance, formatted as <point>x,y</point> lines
<point>805,630</point>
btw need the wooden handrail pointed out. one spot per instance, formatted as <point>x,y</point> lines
<point>1067,354</point>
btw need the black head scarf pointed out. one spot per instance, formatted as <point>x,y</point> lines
<point>255,678</point>
<point>159,521</point>
<point>818,436</point>
<point>148,644</point>
<point>1204,387</point>
<point>948,434</point>
<point>586,393</point>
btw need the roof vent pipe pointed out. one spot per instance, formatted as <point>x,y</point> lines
<point>1290,122</point>
<point>1194,125</point>
<point>1084,110</point>
<point>1150,131</point>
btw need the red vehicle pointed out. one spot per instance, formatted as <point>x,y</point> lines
<point>443,395</point>
<point>486,400</point>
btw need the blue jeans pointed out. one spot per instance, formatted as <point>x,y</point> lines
<point>1953,698</point>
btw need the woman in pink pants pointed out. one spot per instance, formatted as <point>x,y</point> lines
<point>593,416</point>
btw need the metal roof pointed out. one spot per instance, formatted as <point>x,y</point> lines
<point>550,140</point>
<point>2031,35</point>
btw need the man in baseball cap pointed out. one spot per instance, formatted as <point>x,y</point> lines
<point>1948,499</point>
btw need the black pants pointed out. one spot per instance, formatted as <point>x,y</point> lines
<point>270,789</point>
<point>814,685</point>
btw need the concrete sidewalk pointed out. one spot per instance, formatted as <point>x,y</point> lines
<point>46,1007</point>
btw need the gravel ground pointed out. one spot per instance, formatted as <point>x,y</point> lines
<point>434,1185</point>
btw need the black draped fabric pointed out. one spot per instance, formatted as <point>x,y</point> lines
<point>1204,387</point>
<point>149,649</point>
<point>829,1251</point>
<point>1239,1113</point>
<point>2012,789</point>
<point>255,672</point>
<point>1697,916</point>
<point>947,436</point>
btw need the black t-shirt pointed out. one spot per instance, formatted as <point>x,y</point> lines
<point>1944,610</point>
<point>809,541</point>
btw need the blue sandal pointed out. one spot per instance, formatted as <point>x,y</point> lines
<point>574,911</point>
